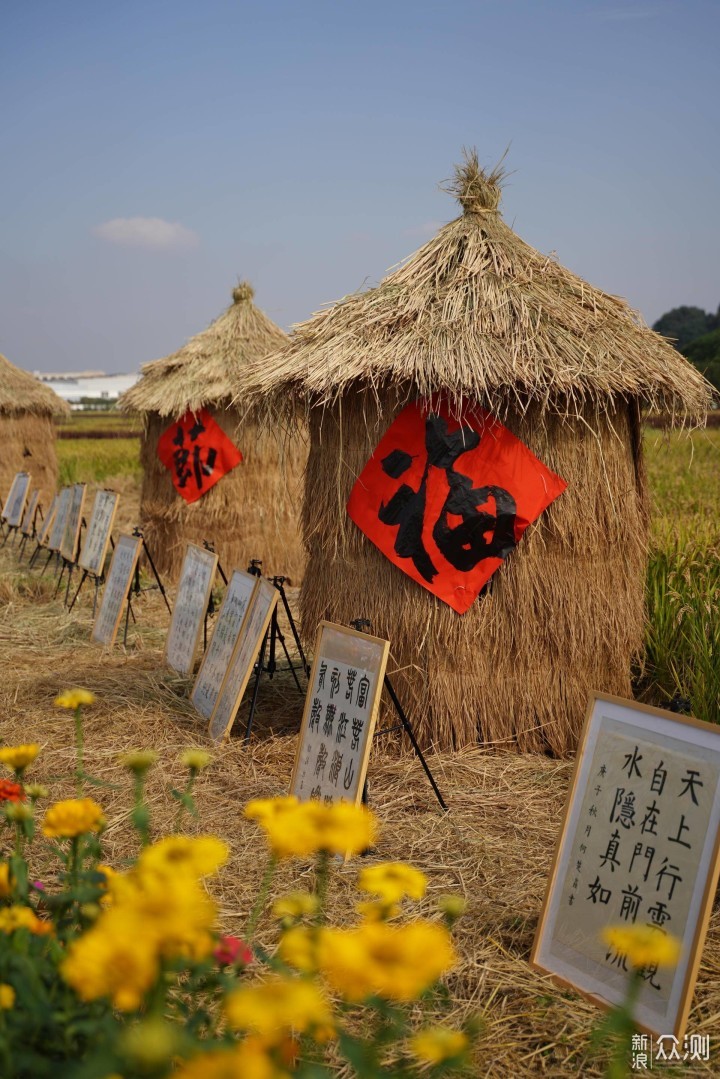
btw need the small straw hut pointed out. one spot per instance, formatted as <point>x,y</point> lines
<point>27,431</point>
<point>252,511</point>
<point>480,317</point>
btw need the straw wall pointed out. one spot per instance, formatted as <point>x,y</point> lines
<point>251,513</point>
<point>28,445</point>
<point>565,614</point>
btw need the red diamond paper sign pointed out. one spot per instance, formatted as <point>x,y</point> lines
<point>447,501</point>
<point>198,453</point>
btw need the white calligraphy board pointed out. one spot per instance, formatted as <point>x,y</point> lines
<point>340,714</point>
<point>62,509</point>
<point>216,660</point>
<point>639,845</point>
<point>191,603</point>
<point>44,533</point>
<point>30,511</point>
<point>97,535</point>
<point>117,587</point>
<point>71,532</point>
<point>257,619</point>
<point>15,501</point>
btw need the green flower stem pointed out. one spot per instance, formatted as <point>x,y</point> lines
<point>185,798</point>
<point>79,747</point>
<point>141,813</point>
<point>259,904</point>
<point>624,1025</point>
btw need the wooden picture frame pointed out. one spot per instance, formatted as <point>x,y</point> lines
<point>71,532</point>
<point>15,501</point>
<point>247,648</point>
<point>44,533</point>
<point>62,509</point>
<point>215,662</point>
<point>97,536</point>
<point>658,749</point>
<point>340,714</point>
<point>117,587</point>
<point>30,513</point>
<point>191,603</point>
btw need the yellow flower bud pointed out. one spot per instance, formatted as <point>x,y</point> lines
<point>195,759</point>
<point>73,698</point>
<point>138,760</point>
<point>7,996</point>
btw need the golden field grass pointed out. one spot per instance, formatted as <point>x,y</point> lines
<point>494,846</point>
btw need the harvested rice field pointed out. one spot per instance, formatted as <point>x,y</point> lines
<point>494,847</point>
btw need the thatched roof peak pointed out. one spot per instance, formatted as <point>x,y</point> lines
<point>22,392</point>
<point>478,314</point>
<point>243,292</point>
<point>477,191</point>
<point>211,368</point>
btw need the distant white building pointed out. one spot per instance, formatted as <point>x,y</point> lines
<point>87,389</point>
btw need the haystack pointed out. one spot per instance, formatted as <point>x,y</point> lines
<point>253,511</point>
<point>27,431</point>
<point>482,318</point>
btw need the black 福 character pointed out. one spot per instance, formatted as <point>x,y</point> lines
<point>203,468</point>
<point>463,544</point>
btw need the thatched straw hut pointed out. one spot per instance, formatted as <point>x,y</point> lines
<point>27,432</point>
<point>480,317</point>
<point>252,512</point>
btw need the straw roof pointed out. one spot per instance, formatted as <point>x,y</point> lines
<point>22,392</point>
<point>477,313</point>
<point>210,368</point>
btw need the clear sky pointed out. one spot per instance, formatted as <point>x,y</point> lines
<point>156,151</point>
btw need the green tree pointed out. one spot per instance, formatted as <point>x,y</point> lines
<point>704,353</point>
<point>684,324</point>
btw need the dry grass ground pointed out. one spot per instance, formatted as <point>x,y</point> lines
<point>494,846</point>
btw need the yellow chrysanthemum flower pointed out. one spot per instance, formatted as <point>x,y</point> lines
<point>117,958</point>
<point>196,759</point>
<point>199,857</point>
<point>295,829</point>
<point>277,1007</point>
<point>73,698</point>
<point>19,757</point>
<point>434,1045</point>
<point>5,881</point>
<point>151,1043</point>
<point>249,1060</point>
<point>643,945</point>
<point>73,817</point>
<point>397,962</point>
<point>295,905</point>
<point>19,917</point>
<point>393,881</point>
<point>138,760</point>
<point>7,996</point>
<point>298,948</point>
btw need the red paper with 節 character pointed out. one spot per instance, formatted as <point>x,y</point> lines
<point>447,501</point>
<point>198,453</point>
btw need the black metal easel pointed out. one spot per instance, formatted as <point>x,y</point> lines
<point>32,534</point>
<point>98,579</point>
<point>363,625</point>
<point>137,589</point>
<point>274,634</point>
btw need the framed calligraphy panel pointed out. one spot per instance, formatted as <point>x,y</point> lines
<point>640,845</point>
<point>97,537</point>
<point>216,660</point>
<point>117,588</point>
<point>191,603</point>
<point>248,645</point>
<point>340,714</point>
<point>61,514</point>
<point>30,511</point>
<point>71,532</point>
<point>44,533</point>
<point>15,501</point>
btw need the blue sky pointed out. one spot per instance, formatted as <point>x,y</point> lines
<point>155,152</point>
